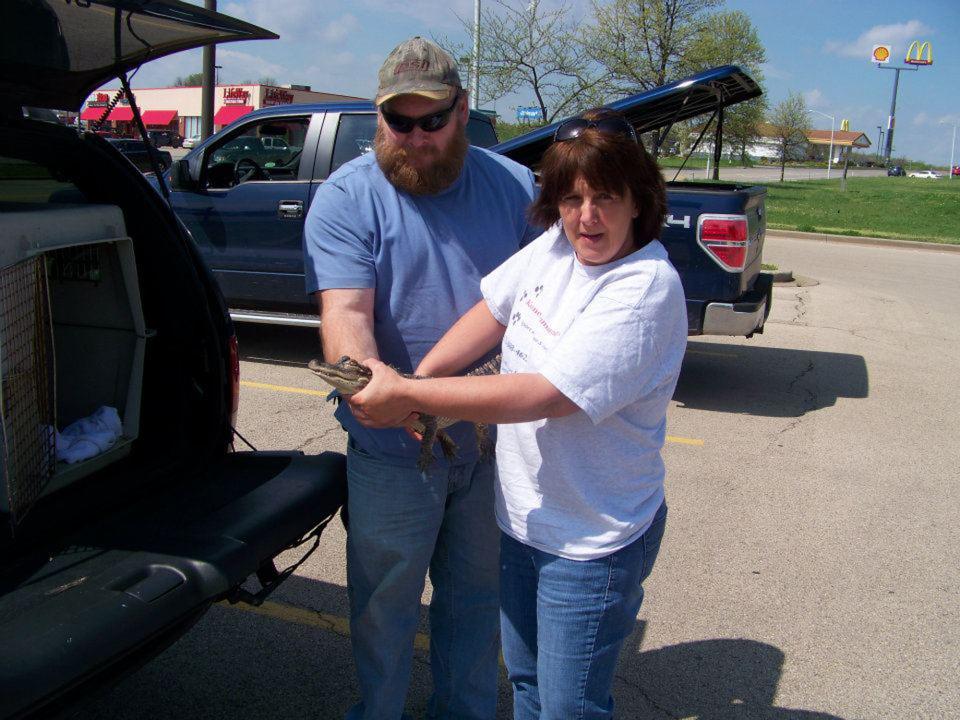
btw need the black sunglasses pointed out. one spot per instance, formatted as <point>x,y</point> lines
<point>573,128</point>
<point>427,123</point>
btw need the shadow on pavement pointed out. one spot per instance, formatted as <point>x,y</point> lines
<point>278,344</point>
<point>716,679</point>
<point>772,382</point>
<point>239,663</point>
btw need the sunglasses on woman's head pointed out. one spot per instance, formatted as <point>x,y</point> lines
<point>427,123</point>
<point>574,128</point>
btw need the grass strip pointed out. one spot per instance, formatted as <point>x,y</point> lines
<point>884,207</point>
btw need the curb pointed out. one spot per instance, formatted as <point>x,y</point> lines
<point>858,240</point>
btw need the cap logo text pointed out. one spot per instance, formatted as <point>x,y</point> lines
<point>412,66</point>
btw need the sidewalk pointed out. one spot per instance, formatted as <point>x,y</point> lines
<point>858,240</point>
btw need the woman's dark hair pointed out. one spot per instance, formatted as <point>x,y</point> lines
<point>608,162</point>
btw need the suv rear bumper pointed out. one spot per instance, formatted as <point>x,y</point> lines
<point>78,614</point>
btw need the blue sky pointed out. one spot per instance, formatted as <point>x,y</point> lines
<point>816,47</point>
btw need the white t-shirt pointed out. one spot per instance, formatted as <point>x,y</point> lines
<point>611,338</point>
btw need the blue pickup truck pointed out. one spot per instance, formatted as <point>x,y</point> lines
<point>246,209</point>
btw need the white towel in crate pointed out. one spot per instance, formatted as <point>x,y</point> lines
<point>89,436</point>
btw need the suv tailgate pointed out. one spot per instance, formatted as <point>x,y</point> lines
<point>113,593</point>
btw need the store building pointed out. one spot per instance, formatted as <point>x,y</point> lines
<point>177,109</point>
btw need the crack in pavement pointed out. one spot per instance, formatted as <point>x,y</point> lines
<point>318,438</point>
<point>808,402</point>
<point>800,307</point>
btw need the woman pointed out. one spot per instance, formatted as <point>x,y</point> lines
<point>592,321</point>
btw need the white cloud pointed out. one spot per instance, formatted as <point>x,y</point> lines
<point>340,29</point>
<point>432,14</point>
<point>921,118</point>
<point>237,66</point>
<point>772,72</point>
<point>898,35</point>
<point>814,98</point>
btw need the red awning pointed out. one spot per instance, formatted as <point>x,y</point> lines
<point>159,117</point>
<point>92,113</point>
<point>123,113</point>
<point>228,113</point>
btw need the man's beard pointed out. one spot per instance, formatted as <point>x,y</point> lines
<point>440,174</point>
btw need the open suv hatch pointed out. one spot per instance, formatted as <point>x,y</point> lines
<point>118,532</point>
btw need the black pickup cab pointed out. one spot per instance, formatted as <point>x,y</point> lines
<point>123,515</point>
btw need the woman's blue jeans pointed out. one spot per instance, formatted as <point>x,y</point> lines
<point>402,524</point>
<point>563,623</point>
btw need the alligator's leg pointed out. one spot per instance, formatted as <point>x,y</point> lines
<point>448,446</point>
<point>426,444</point>
<point>483,440</point>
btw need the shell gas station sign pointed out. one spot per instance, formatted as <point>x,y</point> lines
<point>880,54</point>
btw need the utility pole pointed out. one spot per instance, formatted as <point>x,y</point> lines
<point>209,81</point>
<point>475,79</point>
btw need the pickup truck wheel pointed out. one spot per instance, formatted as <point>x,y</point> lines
<point>247,169</point>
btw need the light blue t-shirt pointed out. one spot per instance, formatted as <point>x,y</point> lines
<point>424,255</point>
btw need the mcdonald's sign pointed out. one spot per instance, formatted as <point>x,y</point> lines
<point>916,52</point>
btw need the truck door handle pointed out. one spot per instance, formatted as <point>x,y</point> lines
<point>290,209</point>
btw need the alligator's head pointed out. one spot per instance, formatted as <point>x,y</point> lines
<point>346,375</point>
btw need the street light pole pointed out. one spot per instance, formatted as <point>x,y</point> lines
<point>832,122</point>
<point>953,143</point>
<point>475,90</point>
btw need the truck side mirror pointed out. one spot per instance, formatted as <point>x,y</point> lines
<point>179,178</point>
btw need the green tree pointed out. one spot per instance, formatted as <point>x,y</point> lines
<point>190,80</point>
<point>642,44</point>
<point>790,121</point>
<point>729,38</point>
<point>530,49</point>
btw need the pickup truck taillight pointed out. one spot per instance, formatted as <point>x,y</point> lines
<point>234,370</point>
<point>724,237</point>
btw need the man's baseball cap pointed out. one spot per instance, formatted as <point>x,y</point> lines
<point>418,67</point>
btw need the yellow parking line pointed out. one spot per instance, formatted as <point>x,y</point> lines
<point>312,618</point>
<point>683,440</point>
<point>282,388</point>
<point>324,393</point>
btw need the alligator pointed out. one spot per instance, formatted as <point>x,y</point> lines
<point>349,376</point>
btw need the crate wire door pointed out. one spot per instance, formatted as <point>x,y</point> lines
<point>27,372</point>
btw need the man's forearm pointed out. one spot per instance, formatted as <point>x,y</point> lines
<point>346,327</point>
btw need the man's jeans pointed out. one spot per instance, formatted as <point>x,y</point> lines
<point>402,523</point>
<point>563,623</point>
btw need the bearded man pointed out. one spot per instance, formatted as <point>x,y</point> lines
<point>396,242</point>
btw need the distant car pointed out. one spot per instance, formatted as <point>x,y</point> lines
<point>164,138</point>
<point>266,152</point>
<point>955,170</point>
<point>191,141</point>
<point>137,152</point>
<point>928,174</point>
<point>896,171</point>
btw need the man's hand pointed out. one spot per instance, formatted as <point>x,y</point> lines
<point>383,403</point>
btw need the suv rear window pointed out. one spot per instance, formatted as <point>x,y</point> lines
<point>22,181</point>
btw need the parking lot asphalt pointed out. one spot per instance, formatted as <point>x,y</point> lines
<point>809,568</point>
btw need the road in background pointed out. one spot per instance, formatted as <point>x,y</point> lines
<point>758,174</point>
<point>809,567</point>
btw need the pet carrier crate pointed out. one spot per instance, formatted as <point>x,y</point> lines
<point>72,339</point>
